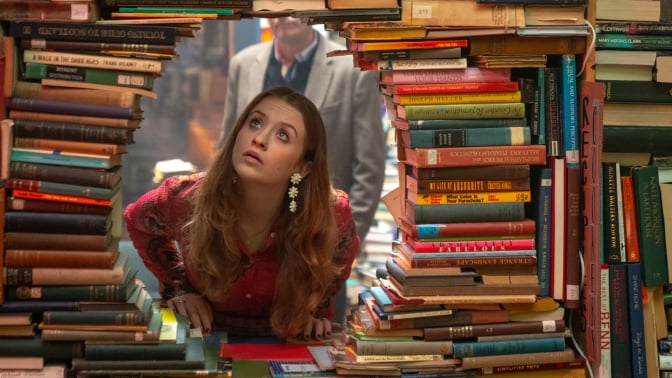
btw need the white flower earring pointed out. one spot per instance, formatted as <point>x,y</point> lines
<point>294,191</point>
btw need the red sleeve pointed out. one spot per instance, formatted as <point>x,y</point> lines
<point>346,251</point>
<point>154,223</point>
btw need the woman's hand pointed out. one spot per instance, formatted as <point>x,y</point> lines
<point>195,308</point>
<point>317,329</point>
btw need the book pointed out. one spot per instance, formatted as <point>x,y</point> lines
<point>539,209</point>
<point>72,159</point>
<point>44,91</point>
<point>630,220</point>
<point>75,119</point>
<point>637,91</point>
<point>590,117</point>
<point>73,224</point>
<point>381,31</point>
<point>76,132</point>
<point>640,114</point>
<point>518,285</point>
<point>449,124</point>
<point>488,172</point>
<point>605,323</point>
<point>442,279</point>
<point>637,138</point>
<point>60,188</point>
<point>34,205</point>
<point>492,361</point>
<point>68,175</point>
<point>400,347</point>
<point>467,137</point>
<point>627,27</point>
<point>48,11</point>
<point>68,31</point>
<point>99,87</point>
<point>355,45</point>
<point>446,88</point>
<point>463,198</point>
<point>426,76</point>
<point>636,317</point>
<point>552,106</point>
<point>558,230</point>
<point>573,238</point>
<point>46,240</point>
<point>125,79</point>
<point>93,293</point>
<point>98,47</point>
<point>468,230</point>
<point>515,44</point>
<point>621,359</point>
<point>77,108</point>
<point>568,101</point>
<point>473,156</point>
<point>285,369</point>
<point>489,348</point>
<point>375,56</point>
<point>455,213</point>
<point>509,328</point>
<point>15,258</point>
<point>471,245</point>
<point>68,276</point>
<point>461,13</point>
<point>457,98</point>
<point>93,61</point>
<point>73,146</point>
<point>42,196</point>
<point>650,227</point>
<point>629,41</point>
<point>427,186</point>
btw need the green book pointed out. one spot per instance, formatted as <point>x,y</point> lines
<point>89,75</point>
<point>32,155</point>
<point>102,293</point>
<point>61,188</point>
<point>220,12</point>
<point>467,137</point>
<point>35,346</point>
<point>650,225</point>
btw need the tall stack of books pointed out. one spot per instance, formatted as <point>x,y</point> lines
<point>633,62</point>
<point>485,167</point>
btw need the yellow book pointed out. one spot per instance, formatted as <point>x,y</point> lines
<point>467,198</point>
<point>457,98</point>
<point>550,373</point>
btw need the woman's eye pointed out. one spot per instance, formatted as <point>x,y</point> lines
<point>283,135</point>
<point>255,122</point>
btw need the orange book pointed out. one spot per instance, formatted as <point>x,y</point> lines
<point>473,156</point>
<point>413,44</point>
<point>630,219</point>
<point>61,197</point>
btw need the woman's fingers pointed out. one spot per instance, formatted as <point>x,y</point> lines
<point>195,308</point>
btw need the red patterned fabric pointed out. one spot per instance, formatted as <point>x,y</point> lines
<point>154,223</point>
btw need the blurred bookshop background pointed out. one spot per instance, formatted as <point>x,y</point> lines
<point>182,126</point>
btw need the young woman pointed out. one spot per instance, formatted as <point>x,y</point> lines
<point>260,243</point>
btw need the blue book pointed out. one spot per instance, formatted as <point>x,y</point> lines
<point>569,110</point>
<point>68,107</point>
<point>635,306</point>
<point>491,348</point>
<point>540,210</point>
<point>55,157</point>
<point>467,137</point>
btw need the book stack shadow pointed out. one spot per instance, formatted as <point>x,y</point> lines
<point>487,208</point>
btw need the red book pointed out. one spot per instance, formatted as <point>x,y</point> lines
<point>630,219</point>
<point>573,238</point>
<point>459,87</point>
<point>60,197</point>
<point>473,156</point>
<point>486,230</point>
<point>287,352</point>
<point>472,245</point>
<point>591,106</point>
<point>399,45</point>
<point>465,75</point>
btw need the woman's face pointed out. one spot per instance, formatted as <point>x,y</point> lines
<point>270,145</point>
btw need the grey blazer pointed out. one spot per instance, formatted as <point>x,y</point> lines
<point>350,104</point>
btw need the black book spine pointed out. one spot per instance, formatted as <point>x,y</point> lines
<point>64,31</point>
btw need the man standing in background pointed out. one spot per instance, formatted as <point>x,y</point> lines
<point>348,100</point>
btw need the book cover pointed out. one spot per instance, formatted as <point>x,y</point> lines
<point>636,317</point>
<point>621,358</point>
<point>461,13</point>
<point>568,97</point>
<point>125,79</point>
<point>509,328</point>
<point>68,31</point>
<point>650,225</point>
<point>539,209</point>
<point>500,136</point>
<point>515,44</point>
<point>93,61</point>
<point>77,108</point>
<point>71,146</point>
<point>473,156</point>
<point>558,229</point>
<point>605,323</point>
<point>60,188</point>
<point>573,238</point>
<point>468,197</point>
<point>590,116</point>
<point>637,138</point>
<point>455,213</point>
<point>468,230</point>
<point>481,97</point>
<point>465,75</point>
<point>75,119</point>
<point>44,91</point>
<point>566,355</point>
<point>449,88</point>
<point>71,159</point>
<point>630,220</point>
<point>54,258</point>
<point>43,196</point>
<point>93,293</point>
<point>489,348</point>
<point>428,186</point>
<point>30,128</point>
<point>35,205</point>
<point>46,240</point>
<point>449,124</point>
<point>49,11</point>
<point>354,45</point>
<point>73,224</point>
<point>461,111</point>
<point>486,172</point>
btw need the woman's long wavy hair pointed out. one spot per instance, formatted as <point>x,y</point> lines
<point>306,239</point>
